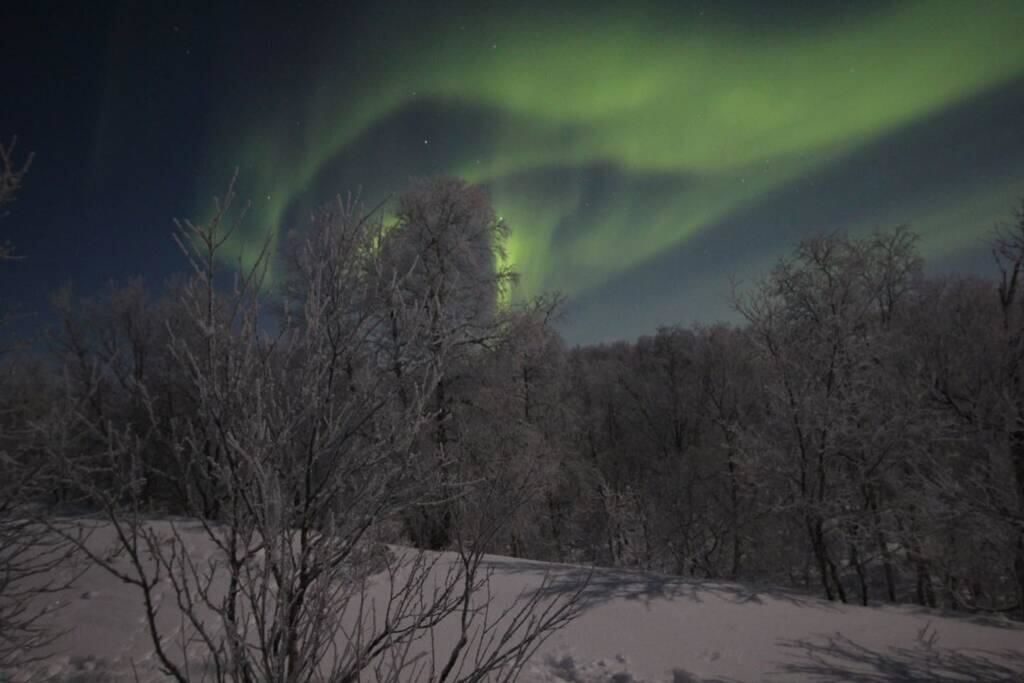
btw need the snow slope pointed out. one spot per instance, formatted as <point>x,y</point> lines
<point>634,626</point>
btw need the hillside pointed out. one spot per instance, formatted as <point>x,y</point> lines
<point>649,627</point>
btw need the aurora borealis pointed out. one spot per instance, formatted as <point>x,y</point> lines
<point>642,153</point>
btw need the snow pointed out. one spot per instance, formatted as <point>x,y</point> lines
<point>633,627</point>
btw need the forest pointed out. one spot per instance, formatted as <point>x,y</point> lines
<point>375,380</point>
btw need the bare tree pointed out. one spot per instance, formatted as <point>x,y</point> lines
<point>727,378</point>
<point>821,321</point>
<point>108,346</point>
<point>513,426</point>
<point>30,554</point>
<point>312,446</point>
<point>36,566</point>
<point>449,244</point>
<point>12,173</point>
<point>1008,252</point>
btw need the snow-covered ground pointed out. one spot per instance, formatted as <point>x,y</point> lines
<point>634,627</point>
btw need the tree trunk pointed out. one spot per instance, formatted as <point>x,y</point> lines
<point>861,577</point>
<point>555,517</point>
<point>817,537</point>
<point>925,592</point>
<point>883,545</point>
<point>1018,570</point>
<point>737,538</point>
<point>834,571</point>
<point>1017,456</point>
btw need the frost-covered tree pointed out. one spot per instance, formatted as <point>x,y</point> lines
<point>820,321</point>
<point>12,173</point>
<point>446,252</point>
<point>314,447</point>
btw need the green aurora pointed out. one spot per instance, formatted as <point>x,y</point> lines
<point>609,137</point>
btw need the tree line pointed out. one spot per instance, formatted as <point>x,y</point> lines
<point>860,433</point>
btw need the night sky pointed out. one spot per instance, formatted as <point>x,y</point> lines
<point>643,153</point>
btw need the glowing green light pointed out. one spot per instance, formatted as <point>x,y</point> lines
<point>732,112</point>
